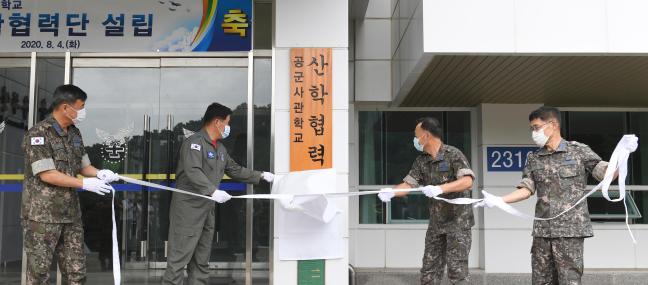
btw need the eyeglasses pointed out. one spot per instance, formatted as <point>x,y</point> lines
<point>537,128</point>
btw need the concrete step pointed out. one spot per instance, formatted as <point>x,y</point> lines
<point>384,276</point>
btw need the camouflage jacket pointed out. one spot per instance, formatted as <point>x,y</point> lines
<point>449,165</point>
<point>559,179</point>
<point>48,147</point>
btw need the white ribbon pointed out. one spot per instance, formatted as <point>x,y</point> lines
<point>618,162</point>
<point>115,247</point>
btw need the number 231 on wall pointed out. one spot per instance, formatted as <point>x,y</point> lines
<point>507,158</point>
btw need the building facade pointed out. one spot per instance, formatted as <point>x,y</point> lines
<point>479,67</point>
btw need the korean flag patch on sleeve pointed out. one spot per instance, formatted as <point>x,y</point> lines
<point>38,141</point>
<point>195,146</point>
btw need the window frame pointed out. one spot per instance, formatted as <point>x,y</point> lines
<point>386,207</point>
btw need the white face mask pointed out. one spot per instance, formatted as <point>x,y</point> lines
<point>417,144</point>
<point>539,137</point>
<point>80,117</point>
<point>225,132</point>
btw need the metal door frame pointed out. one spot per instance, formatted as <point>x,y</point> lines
<point>22,60</point>
<point>159,60</point>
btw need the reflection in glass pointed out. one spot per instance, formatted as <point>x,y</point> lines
<point>115,138</point>
<point>411,208</point>
<point>639,160</point>
<point>386,156</point>
<point>186,103</point>
<point>261,208</point>
<point>399,151</point>
<point>51,74</point>
<point>371,147</point>
<point>14,108</point>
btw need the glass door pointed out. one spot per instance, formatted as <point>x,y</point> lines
<point>14,111</point>
<point>138,116</point>
<point>122,122</point>
<point>185,92</point>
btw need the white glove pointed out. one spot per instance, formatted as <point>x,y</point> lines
<point>432,191</point>
<point>629,142</point>
<point>489,201</point>
<point>267,176</point>
<point>97,186</point>
<point>107,175</point>
<point>386,195</point>
<point>220,196</point>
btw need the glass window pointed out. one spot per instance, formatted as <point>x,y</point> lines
<point>371,149</point>
<point>399,150</point>
<point>261,208</point>
<point>386,156</point>
<point>602,131</point>
<point>51,74</point>
<point>262,25</point>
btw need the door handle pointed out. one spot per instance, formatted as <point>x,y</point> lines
<point>143,249</point>
<point>170,122</point>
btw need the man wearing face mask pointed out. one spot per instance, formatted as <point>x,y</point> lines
<point>443,171</point>
<point>51,215</point>
<point>202,162</point>
<point>557,174</point>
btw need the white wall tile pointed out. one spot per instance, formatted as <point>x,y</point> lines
<point>285,272</point>
<point>393,4</point>
<point>336,270</point>
<point>506,124</point>
<point>641,248</point>
<point>373,39</point>
<point>342,181</point>
<point>353,237</point>
<point>351,81</point>
<point>507,251</point>
<point>369,248</point>
<point>469,25</point>
<point>341,141</point>
<point>560,26</point>
<point>282,142</point>
<point>495,218</point>
<point>404,248</point>
<point>378,9</point>
<point>609,249</point>
<point>341,81</point>
<point>373,81</point>
<point>395,31</point>
<point>281,63</point>
<point>352,40</point>
<point>296,26</point>
<point>626,21</point>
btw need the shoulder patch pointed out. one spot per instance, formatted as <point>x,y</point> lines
<point>37,141</point>
<point>196,146</point>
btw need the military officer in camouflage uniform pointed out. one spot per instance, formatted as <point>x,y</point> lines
<point>202,163</point>
<point>557,173</point>
<point>51,216</point>
<point>443,171</point>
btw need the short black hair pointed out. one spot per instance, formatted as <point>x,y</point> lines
<point>545,113</point>
<point>215,111</point>
<point>68,94</point>
<point>431,125</point>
